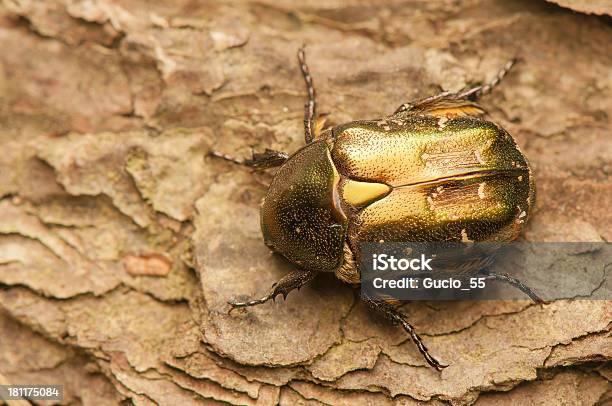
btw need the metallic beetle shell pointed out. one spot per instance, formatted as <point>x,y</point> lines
<point>299,215</point>
<point>463,180</point>
<point>423,178</point>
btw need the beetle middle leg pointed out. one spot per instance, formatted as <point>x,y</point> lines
<point>388,309</point>
<point>293,280</point>
<point>259,160</point>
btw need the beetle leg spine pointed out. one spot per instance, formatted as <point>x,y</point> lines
<point>286,284</point>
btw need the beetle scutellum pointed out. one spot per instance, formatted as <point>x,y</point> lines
<point>373,180</point>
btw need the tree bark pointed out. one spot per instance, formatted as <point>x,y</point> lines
<point>120,242</point>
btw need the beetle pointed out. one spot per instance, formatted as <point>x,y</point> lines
<point>434,170</point>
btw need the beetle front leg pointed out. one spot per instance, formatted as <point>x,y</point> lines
<point>294,280</point>
<point>389,310</point>
<point>310,107</point>
<point>259,160</point>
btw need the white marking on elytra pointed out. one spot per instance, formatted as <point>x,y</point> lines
<point>442,122</point>
<point>520,178</point>
<point>464,236</point>
<point>425,158</point>
<point>479,157</point>
<point>481,192</point>
<point>522,214</point>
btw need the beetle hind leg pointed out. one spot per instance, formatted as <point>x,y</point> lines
<point>388,309</point>
<point>475,92</point>
<point>516,283</point>
<point>294,280</point>
<point>462,103</point>
<point>259,160</point>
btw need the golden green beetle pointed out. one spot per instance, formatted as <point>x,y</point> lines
<point>434,170</point>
